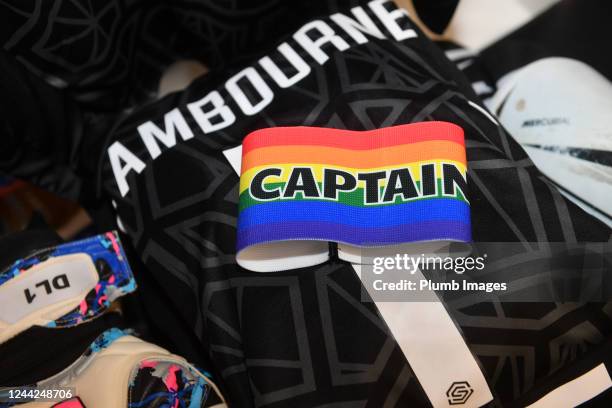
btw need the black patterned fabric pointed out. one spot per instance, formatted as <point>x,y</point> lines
<point>111,54</point>
<point>304,337</point>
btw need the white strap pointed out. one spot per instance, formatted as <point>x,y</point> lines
<point>578,390</point>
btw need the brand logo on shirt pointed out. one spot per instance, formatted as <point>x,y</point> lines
<point>459,392</point>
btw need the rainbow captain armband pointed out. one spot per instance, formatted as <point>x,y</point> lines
<point>303,187</point>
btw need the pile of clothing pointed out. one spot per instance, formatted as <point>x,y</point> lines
<point>236,205</point>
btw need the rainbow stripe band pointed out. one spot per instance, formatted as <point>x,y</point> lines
<point>388,186</point>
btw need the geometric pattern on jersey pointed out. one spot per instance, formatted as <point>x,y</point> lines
<point>112,54</point>
<point>328,346</point>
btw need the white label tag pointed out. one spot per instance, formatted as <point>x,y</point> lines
<point>53,281</point>
<point>234,157</point>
